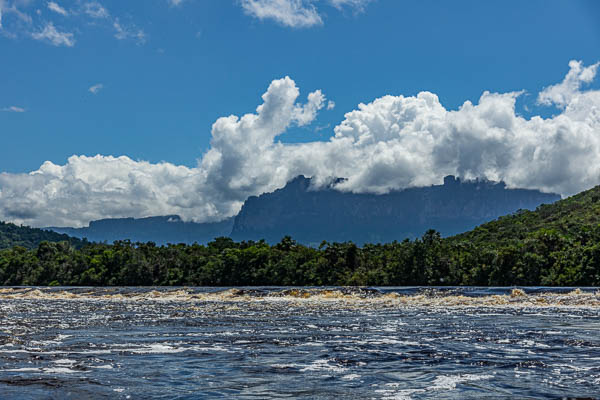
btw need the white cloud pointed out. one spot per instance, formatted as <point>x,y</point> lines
<point>13,109</point>
<point>563,93</point>
<point>330,105</point>
<point>126,33</point>
<point>95,10</point>
<point>295,13</point>
<point>55,37</point>
<point>390,143</point>
<point>358,5</point>
<point>292,13</point>
<point>56,8</point>
<point>6,9</point>
<point>88,187</point>
<point>16,23</point>
<point>175,3</point>
<point>305,114</point>
<point>96,88</point>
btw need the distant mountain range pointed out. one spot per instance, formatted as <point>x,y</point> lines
<point>160,230</point>
<point>555,245</point>
<point>311,216</point>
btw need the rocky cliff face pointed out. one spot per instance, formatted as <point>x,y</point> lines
<point>161,230</point>
<point>310,216</point>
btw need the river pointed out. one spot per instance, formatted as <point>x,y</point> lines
<point>318,343</point>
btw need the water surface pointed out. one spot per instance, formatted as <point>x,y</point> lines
<point>254,343</point>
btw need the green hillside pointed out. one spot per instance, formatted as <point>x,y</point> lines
<point>573,218</point>
<point>12,235</point>
<point>557,244</point>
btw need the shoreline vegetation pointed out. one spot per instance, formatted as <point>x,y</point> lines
<point>555,245</point>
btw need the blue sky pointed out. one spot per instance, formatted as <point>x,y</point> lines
<point>147,80</point>
<point>204,59</point>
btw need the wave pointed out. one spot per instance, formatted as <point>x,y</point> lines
<point>347,296</point>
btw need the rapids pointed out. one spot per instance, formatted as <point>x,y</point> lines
<point>380,343</point>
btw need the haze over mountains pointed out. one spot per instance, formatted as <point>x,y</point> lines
<point>312,215</point>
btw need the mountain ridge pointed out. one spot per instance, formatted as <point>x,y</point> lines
<point>160,230</point>
<point>311,216</point>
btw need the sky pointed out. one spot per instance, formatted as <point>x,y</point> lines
<point>128,108</point>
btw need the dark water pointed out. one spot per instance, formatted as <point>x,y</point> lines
<point>404,343</point>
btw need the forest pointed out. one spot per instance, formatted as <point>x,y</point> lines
<point>555,245</point>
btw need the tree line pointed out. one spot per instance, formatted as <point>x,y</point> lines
<point>544,257</point>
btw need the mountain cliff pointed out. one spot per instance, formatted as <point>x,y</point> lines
<point>311,216</point>
<point>160,230</point>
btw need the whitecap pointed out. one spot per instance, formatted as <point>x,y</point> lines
<point>449,382</point>
<point>323,365</point>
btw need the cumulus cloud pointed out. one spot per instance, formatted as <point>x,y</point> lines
<point>305,114</point>
<point>292,13</point>
<point>563,93</point>
<point>54,36</point>
<point>52,6</point>
<point>96,88</point>
<point>86,188</point>
<point>244,155</point>
<point>13,109</point>
<point>391,143</point>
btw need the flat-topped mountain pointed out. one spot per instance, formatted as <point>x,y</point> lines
<point>311,216</point>
<point>160,230</point>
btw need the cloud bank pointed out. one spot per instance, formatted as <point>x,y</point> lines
<point>394,142</point>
